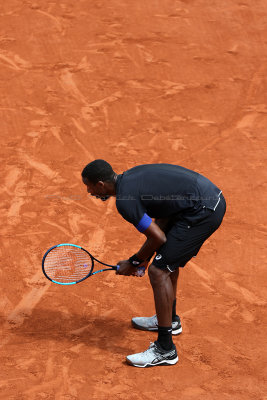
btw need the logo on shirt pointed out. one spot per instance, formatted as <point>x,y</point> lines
<point>158,257</point>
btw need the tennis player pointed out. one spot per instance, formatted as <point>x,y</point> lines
<point>187,208</point>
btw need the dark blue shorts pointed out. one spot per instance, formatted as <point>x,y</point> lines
<point>184,238</point>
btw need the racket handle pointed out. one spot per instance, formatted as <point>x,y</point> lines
<point>140,271</point>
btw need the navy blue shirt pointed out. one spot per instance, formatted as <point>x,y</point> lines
<point>163,190</point>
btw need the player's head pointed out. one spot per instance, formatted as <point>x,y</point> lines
<point>99,178</point>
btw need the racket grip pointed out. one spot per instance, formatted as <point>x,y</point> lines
<point>140,271</point>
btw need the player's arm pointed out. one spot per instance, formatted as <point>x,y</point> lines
<point>135,213</point>
<point>155,238</point>
<point>163,223</point>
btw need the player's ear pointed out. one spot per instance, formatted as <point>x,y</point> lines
<point>100,184</point>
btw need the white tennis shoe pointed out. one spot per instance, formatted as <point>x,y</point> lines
<point>154,355</point>
<point>151,324</point>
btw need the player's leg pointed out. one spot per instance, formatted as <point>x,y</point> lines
<point>151,323</point>
<point>162,351</point>
<point>174,279</point>
<point>163,294</point>
<point>166,224</point>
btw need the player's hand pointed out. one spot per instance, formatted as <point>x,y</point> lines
<point>126,268</point>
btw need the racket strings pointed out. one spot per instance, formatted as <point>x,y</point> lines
<point>67,264</point>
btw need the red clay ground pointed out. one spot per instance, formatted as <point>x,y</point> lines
<point>132,82</point>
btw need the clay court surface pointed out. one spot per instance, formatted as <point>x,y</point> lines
<point>132,82</point>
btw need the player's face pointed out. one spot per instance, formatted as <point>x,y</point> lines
<point>97,190</point>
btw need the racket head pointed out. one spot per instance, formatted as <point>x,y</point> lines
<point>67,264</point>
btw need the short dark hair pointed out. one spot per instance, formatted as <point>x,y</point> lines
<point>98,170</point>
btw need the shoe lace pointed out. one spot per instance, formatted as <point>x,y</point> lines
<point>154,347</point>
<point>151,346</point>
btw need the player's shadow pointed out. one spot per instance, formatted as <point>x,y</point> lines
<point>106,333</point>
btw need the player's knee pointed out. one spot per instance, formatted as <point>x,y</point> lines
<point>156,275</point>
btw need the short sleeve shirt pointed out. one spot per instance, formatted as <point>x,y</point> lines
<point>163,190</point>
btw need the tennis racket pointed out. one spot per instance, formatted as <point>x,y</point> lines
<point>67,264</point>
